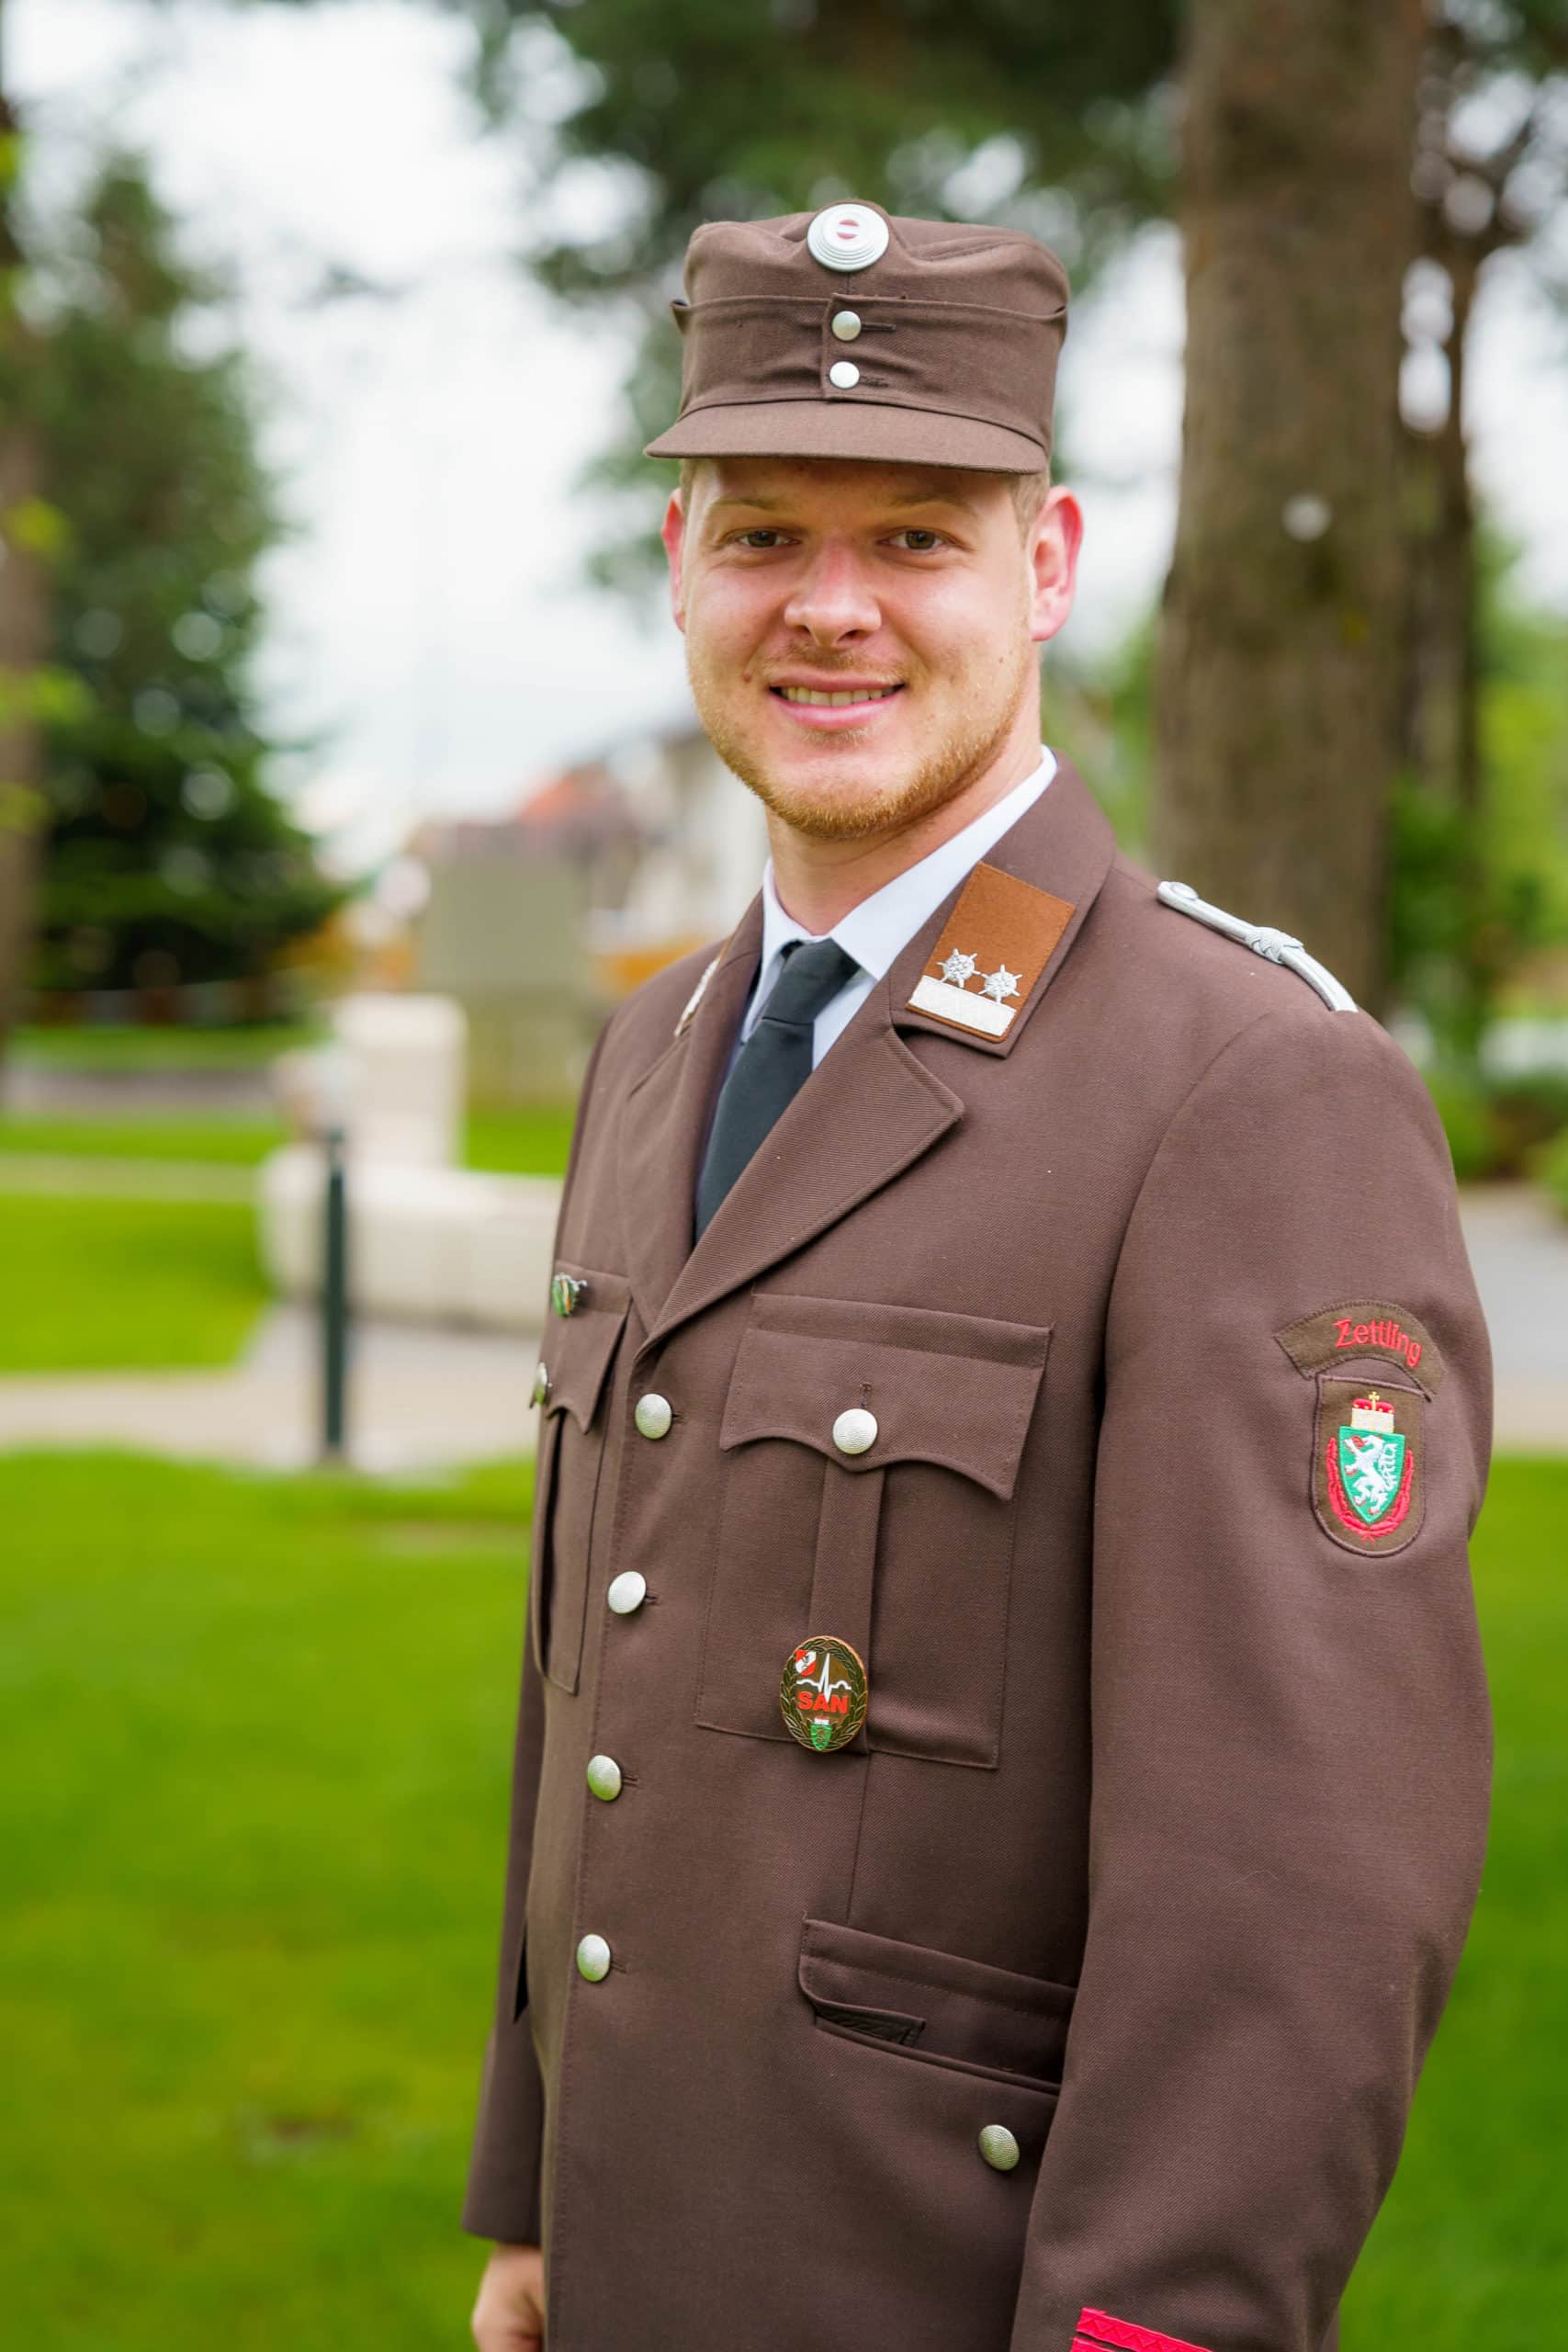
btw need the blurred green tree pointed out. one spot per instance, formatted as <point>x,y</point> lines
<point>31,537</point>
<point>1491,180</point>
<point>1481,885</point>
<point>169,858</point>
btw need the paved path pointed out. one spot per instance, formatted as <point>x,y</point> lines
<point>423,1397</point>
<point>1518,1247</point>
<point>124,1180</point>
<point>39,1089</point>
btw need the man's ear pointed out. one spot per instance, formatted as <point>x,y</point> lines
<point>1051,550</point>
<point>673,531</point>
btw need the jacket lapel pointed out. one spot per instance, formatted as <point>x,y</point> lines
<point>664,1123</point>
<point>868,1112</point>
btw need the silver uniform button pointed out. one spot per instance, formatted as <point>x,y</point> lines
<point>847,236</point>
<point>605,1777</point>
<point>855,1431</point>
<point>653,1414</point>
<point>628,1591</point>
<point>844,374</point>
<point>542,1385</point>
<point>998,2147</point>
<point>846,326</point>
<point>593,1958</point>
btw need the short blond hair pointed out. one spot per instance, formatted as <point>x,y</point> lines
<point>1029,490</point>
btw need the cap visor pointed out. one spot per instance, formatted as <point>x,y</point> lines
<point>907,436</point>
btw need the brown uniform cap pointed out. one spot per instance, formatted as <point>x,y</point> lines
<point>853,333</point>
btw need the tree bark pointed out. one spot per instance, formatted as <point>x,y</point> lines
<point>1278,671</point>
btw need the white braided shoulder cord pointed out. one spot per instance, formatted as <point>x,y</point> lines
<point>1275,946</point>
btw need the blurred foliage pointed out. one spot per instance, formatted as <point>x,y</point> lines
<point>1499,1127</point>
<point>1478,894</point>
<point>170,859</point>
<point>1551,1168</point>
<point>1104,708</point>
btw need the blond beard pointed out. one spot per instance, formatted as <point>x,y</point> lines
<point>943,771</point>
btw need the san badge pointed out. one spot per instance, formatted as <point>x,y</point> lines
<point>823,1693</point>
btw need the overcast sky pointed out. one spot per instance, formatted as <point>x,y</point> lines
<point>429,617</point>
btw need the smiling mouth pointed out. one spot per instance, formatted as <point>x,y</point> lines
<point>838,700</point>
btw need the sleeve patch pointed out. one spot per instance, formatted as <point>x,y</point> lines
<point>1361,1327</point>
<point>1368,1485</point>
<point>1100,2329</point>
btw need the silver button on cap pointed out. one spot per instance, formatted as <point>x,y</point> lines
<point>628,1591</point>
<point>846,326</point>
<point>605,1777</point>
<point>855,1431</point>
<point>542,1385</point>
<point>998,2147</point>
<point>593,1958</point>
<point>844,374</point>
<point>653,1414</point>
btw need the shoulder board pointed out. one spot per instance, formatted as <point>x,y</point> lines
<point>1275,946</point>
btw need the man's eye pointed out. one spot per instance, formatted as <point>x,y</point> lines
<point>918,542</point>
<point>760,539</point>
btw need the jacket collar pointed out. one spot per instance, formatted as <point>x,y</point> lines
<point>870,1109</point>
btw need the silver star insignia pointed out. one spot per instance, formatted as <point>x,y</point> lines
<point>1000,983</point>
<point>959,967</point>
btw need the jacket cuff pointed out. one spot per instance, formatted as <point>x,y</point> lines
<point>1098,2331</point>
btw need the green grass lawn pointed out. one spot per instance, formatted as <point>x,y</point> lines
<point>155,1049</point>
<point>123,1285</point>
<point>533,1142</point>
<point>258,1742</point>
<point>253,1815</point>
<point>231,1142</point>
<point>1475,2235</point>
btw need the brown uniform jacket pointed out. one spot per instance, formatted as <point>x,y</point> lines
<point>1159,1841</point>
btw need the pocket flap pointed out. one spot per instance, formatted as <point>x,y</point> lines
<point>965,2008</point>
<point>956,1390</point>
<point>577,1348</point>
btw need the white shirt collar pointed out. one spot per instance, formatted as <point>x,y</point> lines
<point>881,926</point>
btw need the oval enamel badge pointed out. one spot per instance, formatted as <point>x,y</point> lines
<point>823,1693</point>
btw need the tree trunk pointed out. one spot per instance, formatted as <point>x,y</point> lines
<point>1277,732</point>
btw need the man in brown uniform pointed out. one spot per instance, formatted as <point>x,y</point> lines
<point>1002,1761</point>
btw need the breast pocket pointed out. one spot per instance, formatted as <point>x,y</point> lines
<point>872,1452</point>
<point>575,1356</point>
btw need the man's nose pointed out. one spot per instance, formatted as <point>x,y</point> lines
<point>833,598</point>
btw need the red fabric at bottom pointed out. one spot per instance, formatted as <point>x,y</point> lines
<point>1126,2336</point>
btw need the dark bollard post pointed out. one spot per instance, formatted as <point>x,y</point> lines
<point>334,1304</point>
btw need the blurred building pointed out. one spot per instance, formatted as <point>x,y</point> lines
<point>539,922</point>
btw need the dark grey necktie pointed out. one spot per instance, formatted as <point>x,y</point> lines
<point>771,1066</point>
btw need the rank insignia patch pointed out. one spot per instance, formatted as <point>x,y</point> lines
<point>994,944</point>
<point>1367,1474</point>
<point>823,1693</point>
